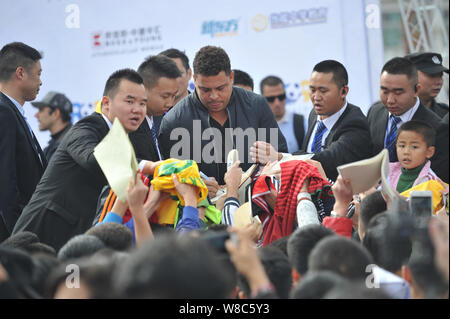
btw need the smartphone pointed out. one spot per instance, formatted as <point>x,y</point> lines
<point>421,207</point>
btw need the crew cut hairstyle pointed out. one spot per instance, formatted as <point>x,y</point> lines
<point>270,80</point>
<point>177,54</point>
<point>402,66</point>
<point>211,60</point>
<point>156,67</point>
<point>424,129</point>
<point>340,75</point>
<point>16,54</point>
<point>243,78</point>
<point>113,82</point>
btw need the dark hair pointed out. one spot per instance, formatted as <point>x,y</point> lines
<point>270,80</point>
<point>44,264</point>
<point>427,278</point>
<point>177,54</point>
<point>281,244</point>
<point>316,285</point>
<point>302,242</point>
<point>356,290</point>
<point>402,66</point>
<point>243,78</point>
<point>278,270</point>
<point>14,55</point>
<point>390,254</point>
<point>173,267</point>
<point>373,204</point>
<point>80,246</point>
<point>156,67</point>
<point>113,82</point>
<point>340,75</point>
<point>96,273</point>
<point>342,256</point>
<point>65,116</point>
<point>113,235</point>
<point>424,129</point>
<point>211,60</point>
<point>20,240</point>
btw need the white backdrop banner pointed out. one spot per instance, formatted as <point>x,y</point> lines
<point>84,41</point>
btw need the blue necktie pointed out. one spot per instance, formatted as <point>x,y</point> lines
<point>389,142</point>
<point>155,140</point>
<point>317,142</point>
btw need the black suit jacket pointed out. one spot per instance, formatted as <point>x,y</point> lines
<point>378,117</point>
<point>65,199</point>
<point>439,163</point>
<point>348,141</point>
<point>143,144</point>
<point>20,166</point>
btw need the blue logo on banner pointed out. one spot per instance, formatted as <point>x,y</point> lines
<point>293,18</point>
<point>220,28</point>
<point>81,110</point>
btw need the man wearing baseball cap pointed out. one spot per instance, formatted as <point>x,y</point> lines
<point>430,72</point>
<point>54,115</point>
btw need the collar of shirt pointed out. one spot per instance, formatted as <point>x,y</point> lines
<point>107,121</point>
<point>285,119</point>
<point>407,116</point>
<point>149,121</point>
<point>330,121</point>
<point>17,104</point>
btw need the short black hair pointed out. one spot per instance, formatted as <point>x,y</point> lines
<point>156,67</point>
<point>390,254</point>
<point>16,54</point>
<point>177,54</point>
<point>211,60</point>
<point>424,129</point>
<point>373,204</point>
<point>302,242</point>
<point>173,266</point>
<point>316,285</point>
<point>113,235</point>
<point>428,279</point>
<point>340,75</point>
<point>270,80</point>
<point>243,78</point>
<point>342,256</point>
<point>113,82</point>
<point>402,66</point>
<point>276,266</point>
<point>80,246</point>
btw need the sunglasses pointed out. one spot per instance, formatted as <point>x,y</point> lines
<point>280,97</point>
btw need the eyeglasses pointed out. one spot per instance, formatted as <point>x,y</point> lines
<point>280,97</point>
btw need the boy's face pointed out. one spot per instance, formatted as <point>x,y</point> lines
<point>412,150</point>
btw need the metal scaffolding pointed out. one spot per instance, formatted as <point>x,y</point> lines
<point>425,28</point>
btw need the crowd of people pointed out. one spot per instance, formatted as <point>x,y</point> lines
<point>278,221</point>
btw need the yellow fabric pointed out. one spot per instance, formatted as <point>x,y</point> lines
<point>435,187</point>
<point>187,172</point>
<point>98,106</point>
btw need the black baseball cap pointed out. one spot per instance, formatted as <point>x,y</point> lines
<point>55,100</point>
<point>427,62</point>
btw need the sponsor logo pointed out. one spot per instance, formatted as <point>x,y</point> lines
<point>287,19</point>
<point>82,109</point>
<point>216,29</point>
<point>127,41</point>
<point>260,22</point>
<point>436,60</point>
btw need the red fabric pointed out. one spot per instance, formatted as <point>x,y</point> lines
<point>340,225</point>
<point>128,216</point>
<point>293,175</point>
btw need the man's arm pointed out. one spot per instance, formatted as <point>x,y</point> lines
<point>353,143</point>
